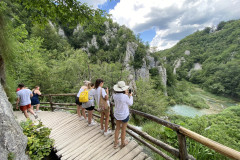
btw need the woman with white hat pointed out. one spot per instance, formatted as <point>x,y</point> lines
<point>122,100</point>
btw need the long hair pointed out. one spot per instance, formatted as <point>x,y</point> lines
<point>97,83</point>
<point>90,85</point>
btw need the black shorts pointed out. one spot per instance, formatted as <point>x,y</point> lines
<point>126,120</point>
<point>90,108</point>
<point>77,101</point>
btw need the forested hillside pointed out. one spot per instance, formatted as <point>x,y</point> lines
<point>210,57</point>
<point>58,56</point>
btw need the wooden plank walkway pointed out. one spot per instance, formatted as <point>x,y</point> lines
<point>74,139</point>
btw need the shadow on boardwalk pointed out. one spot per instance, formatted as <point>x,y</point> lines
<point>75,140</point>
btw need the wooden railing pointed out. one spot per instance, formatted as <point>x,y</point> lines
<point>182,133</point>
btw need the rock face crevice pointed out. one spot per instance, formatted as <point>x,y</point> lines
<point>12,139</point>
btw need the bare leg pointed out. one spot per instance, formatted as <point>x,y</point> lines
<point>26,114</point>
<point>78,110</point>
<point>90,116</point>
<point>83,112</point>
<point>31,111</point>
<point>123,133</point>
<point>117,132</point>
<point>101,120</point>
<point>106,122</point>
<point>37,107</point>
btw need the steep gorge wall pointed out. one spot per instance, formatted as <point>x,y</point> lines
<point>12,139</point>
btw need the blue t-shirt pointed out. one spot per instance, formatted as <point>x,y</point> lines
<point>25,96</point>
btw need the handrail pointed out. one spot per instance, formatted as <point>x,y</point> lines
<point>181,133</point>
<point>229,152</point>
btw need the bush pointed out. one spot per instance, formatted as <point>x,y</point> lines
<point>39,144</point>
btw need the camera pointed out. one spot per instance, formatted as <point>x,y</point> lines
<point>130,91</point>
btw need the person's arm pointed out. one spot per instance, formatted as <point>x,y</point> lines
<point>31,94</point>
<point>38,92</point>
<point>17,102</point>
<point>130,100</point>
<point>105,94</point>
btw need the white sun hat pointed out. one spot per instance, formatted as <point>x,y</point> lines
<point>120,86</point>
<point>86,82</point>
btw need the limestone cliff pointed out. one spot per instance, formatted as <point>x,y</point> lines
<point>161,70</point>
<point>12,139</point>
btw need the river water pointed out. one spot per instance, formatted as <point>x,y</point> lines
<point>185,110</point>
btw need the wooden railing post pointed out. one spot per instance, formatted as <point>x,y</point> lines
<point>182,146</point>
<point>112,116</point>
<point>51,103</point>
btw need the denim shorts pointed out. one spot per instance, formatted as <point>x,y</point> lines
<point>126,120</point>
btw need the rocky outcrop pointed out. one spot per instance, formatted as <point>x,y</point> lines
<point>143,72</point>
<point>187,52</point>
<point>130,52</point>
<point>93,42</point>
<point>109,33</point>
<point>161,70</point>
<point>197,66</point>
<point>61,32</point>
<point>177,64</point>
<point>163,73</point>
<point>151,62</point>
<point>12,139</point>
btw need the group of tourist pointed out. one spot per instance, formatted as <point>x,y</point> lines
<point>96,93</point>
<point>27,99</point>
<point>122,99</point>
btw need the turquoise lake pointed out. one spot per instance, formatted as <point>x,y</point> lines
<point>184,110</point>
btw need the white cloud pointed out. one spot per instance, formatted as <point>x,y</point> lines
<point>173,20</point>
<point>94,3</point>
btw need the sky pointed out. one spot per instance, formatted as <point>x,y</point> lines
<point>162,23</point>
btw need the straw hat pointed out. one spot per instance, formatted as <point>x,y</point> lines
<point>86,82</point>
<point>120,86</point>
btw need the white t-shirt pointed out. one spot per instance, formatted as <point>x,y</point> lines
<point>25,96</point>
<point>122,101</point>
<point>81,89</point>
<point>97,94</point>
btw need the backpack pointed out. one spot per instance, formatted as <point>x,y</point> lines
<point>83,98</point>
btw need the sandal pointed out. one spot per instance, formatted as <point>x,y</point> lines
<point>123,145</point>
<point>115,145</point>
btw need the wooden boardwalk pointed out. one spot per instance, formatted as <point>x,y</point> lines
<point>74,139</point>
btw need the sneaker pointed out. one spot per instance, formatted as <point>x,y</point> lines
<point>81,118</point>
<point>108,133</point>
<point>38,111</point>
<point>102,131</point>
<point>91,124</point>
<point>36,116</point>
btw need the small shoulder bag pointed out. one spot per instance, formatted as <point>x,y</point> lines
<point>103,105</point>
